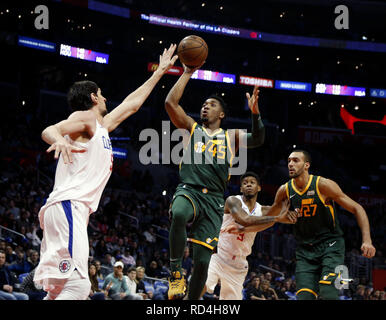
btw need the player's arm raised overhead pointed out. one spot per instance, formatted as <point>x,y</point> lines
<point>255,138</point>
<point>78,123</point>
<point>331,191</point>
<point>176,113</point>
<point>134,100</point>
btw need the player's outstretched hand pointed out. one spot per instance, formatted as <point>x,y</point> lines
<point>66,149</point>
<point>232,228</point>
<point>253,100</point>
<point>286,215</point>
<point>167,60</point>
<point>368,250</point>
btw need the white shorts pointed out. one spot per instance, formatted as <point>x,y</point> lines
<point>231,274</point>
<point>65,245</point>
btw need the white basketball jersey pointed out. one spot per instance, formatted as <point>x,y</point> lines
<point>238,244</point>
<point>86,177</point>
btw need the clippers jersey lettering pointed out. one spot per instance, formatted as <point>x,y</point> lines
<point>207,159</point>
<point>318,220</point>
<point>238,244</point>
<point>85,179</point>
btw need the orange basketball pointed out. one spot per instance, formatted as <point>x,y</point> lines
<point>192,51</point>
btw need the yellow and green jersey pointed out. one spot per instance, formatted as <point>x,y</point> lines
<point>207,159</point>
<point>318,220</point>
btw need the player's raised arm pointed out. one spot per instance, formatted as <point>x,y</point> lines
<point>79,122</point>
<point>331,191</point>
<point>255,138</point>
<point>134,100</point>
<point>176,113</point>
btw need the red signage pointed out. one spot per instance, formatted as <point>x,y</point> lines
<point>350,120</point>
<point>152,66</point>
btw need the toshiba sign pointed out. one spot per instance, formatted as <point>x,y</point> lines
<point>252,81</point>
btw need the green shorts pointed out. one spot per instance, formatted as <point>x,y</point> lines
<point>316,266</point>
<point>208,210</point>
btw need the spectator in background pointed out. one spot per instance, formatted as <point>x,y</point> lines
<point>115,284</point>
<point>7,283</point>
<point>33,259</point>
<point>11,255</point>
<point>99,274</point>
<point>20,265</point>
<point>368,292</point>
<point>33,237</point>
<point>360,293</point>
<point>108,264</point>
<point>13,210</point>
<point>34,291</point>
<point>95,292</point>
<point>153,270</point>
<point>127,258</point>
<point>130,279</point>
<point>253,291</point>
<point>141,289</point>
<point>268,277</point>
<point>150,235</point>
<point>268,292</point>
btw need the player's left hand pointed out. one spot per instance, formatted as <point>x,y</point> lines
<point>232,228</point>
<point>253,100</point>
<point>368,250</point>
<point>167,60</point>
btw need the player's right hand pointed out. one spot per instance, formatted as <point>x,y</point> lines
<point>192,70</point>
<point>66,149</point>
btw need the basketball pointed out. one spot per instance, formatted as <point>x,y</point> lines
<point>192,51</point>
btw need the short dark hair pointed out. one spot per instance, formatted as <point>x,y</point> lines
<point>223,104</point>
<point>131,269</point>
<point>307,156</point>
<point>78,96</point>
<point>250,174</point>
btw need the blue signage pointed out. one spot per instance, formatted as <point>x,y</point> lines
<point>36,44</point>
<point>378,93</point>
<point>293,85</point>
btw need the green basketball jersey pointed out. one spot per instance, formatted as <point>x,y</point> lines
<point>318,220</point>
<point>207,159</point>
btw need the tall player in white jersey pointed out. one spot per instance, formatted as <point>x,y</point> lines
<point>83,147</point>
<point>229,264</point>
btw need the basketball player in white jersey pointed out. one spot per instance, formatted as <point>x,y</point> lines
<point>83,147</point>
<point>229,264</point>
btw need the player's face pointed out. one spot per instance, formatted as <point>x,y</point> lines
<point>101,103</point>
<point>211,111</point>
<point>296,164</point>
<point>249,187</point>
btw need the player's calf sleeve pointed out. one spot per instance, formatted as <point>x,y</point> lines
<point>201,259</point>
<point>305,294</point>
<point>181,213</point>
<point>328,292</point>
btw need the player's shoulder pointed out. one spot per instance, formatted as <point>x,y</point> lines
<point>86,116</point>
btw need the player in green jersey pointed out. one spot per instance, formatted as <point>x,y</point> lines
<point>199,198</point>
<point>320,244</point>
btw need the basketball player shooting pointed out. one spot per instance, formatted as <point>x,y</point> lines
<point>229,264</point>
<point>199,198</point>
<point>82,145</point>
